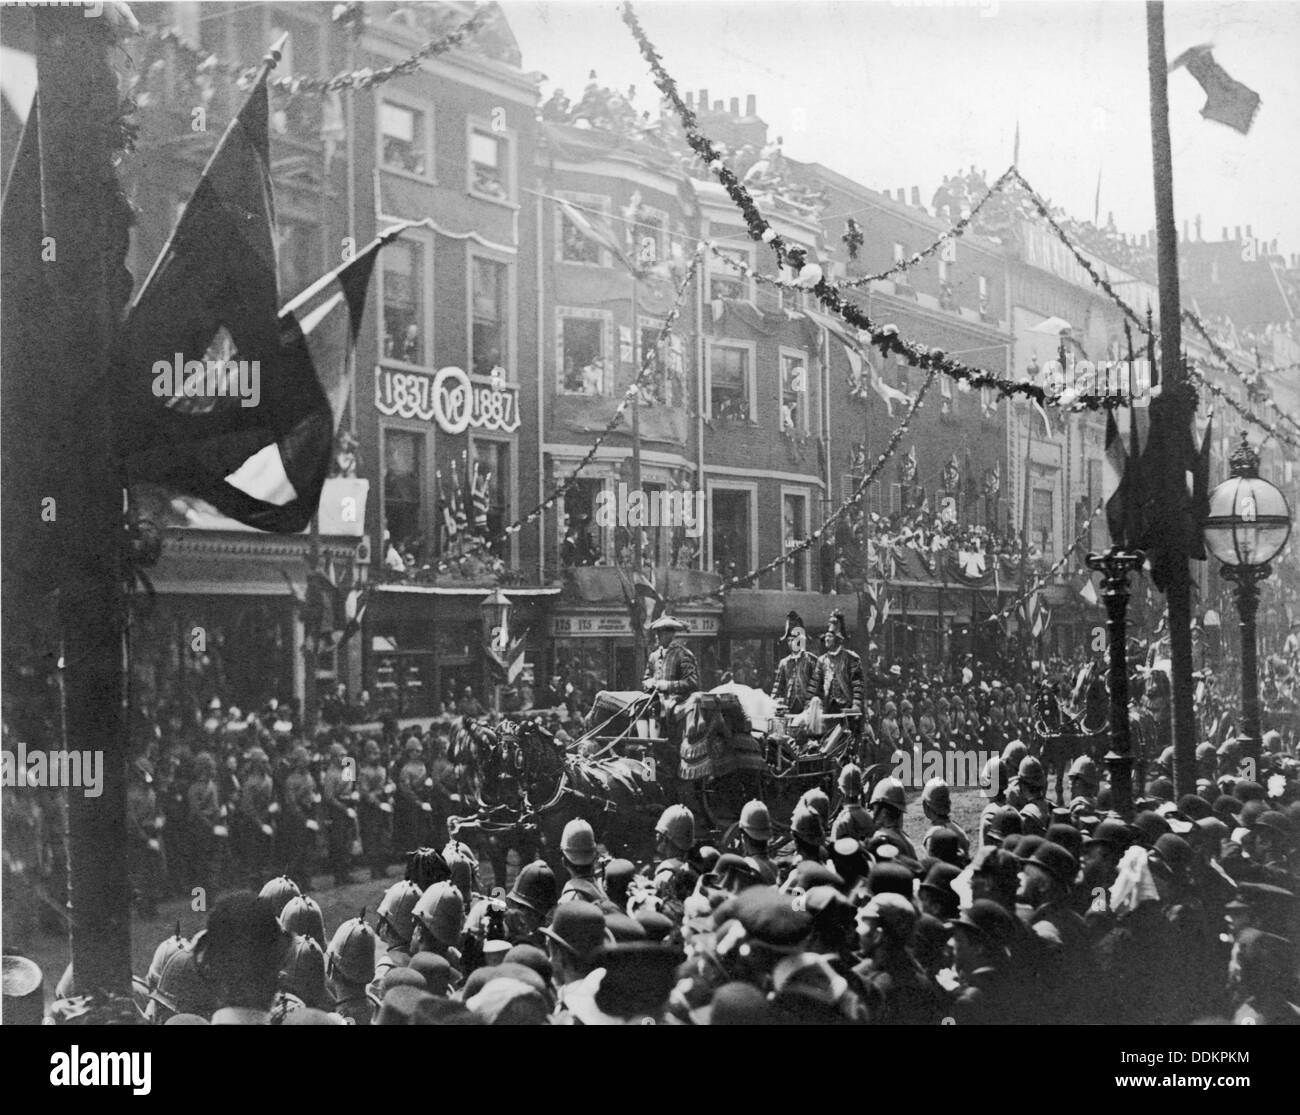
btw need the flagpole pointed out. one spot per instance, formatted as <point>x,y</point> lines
<point>1172,409</point>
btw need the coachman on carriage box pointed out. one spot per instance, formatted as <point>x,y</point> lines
<point>672,673</point>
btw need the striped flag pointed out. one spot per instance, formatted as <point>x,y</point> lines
<point>1120,484</point>
<point>597,231</point>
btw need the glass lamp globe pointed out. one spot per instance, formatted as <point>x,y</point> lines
<point>1249,520</point>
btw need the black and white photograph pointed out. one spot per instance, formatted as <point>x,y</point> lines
<point>652,513</point>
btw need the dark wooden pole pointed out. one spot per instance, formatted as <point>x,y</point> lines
<point>85,219</point>
<point>1178,590</point>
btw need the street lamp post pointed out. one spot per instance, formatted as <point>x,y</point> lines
<point>1248,524</point>
<point>1115,565</point>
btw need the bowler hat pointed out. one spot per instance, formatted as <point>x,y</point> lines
<point>578,928</point>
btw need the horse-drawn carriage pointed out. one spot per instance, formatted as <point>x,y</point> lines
<point>619,775</point>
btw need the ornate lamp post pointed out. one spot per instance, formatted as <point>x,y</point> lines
<point>1248,524</point>
<point>1115,565</point>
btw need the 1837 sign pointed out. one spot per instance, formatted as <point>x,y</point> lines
<point>450,397</point>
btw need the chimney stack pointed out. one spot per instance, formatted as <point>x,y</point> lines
<point>1249,234</point>
<point>1199,238</point>
<point>735,106</point>
<point>751,105</point>
<point>690,99</point>
<point>901,194</point>
<point>916,196</point>
<point>1225,234</point>
<point>1236,232</point>
<point>704,100</point>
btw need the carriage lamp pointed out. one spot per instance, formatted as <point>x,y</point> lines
<point>495,611</point>
<point>1248,523</point>
<point>1115,565</point>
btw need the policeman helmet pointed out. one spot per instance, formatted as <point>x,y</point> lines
<point>425,866</point>
<point>302,915</point>
<point>1013,753</point>
<point>463,868</point>
<point>535,887</point>
<point>163,953</point>
<point>850,781</point>
<point>855,822</point>
<point>755,821</point>
<point>1166,759</point>
<point>352,951</point>
<point>182,986</point>
<point>303,973</point>
<point>441,913</point>
<point>1204,751</point>
<point>807,825</point>
<point>993,777</point>
<point>889,791</point>
<point>816,800</point>
<point>396,906</point>
<point>1031,772</point>
<point>578,843</point>
<point>937,796</point>
<point>277,893</point>
<point>1085,769</point>
<point>677,823</point>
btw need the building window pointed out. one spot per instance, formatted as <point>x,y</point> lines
<point>574,246</point>
<point>730,391</point>
<point>491,487</point>
<point>404,314</point>
<point>794,392</point>
<point>582,542</point>
<point>491,315</point>
<point>794,529</point>
<point>584,363</point>
<point>724,281</point>
<point>403,487</point>
<point>648,237</point>
<point>900,253</point>
<point>731,527</point>
<point>655,386</point>
<point>1041,520</point>
<point>404,139</point>
<point>298,250</point>
<point>489,167</point>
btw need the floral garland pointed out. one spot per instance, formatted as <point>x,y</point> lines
<point>811,277</point>
<point>1249,415</point>
<point>364,78</point>
<point>1194,320</point>
<point>835,516</point>
<point>1099,280</point>
<point>563,489</point>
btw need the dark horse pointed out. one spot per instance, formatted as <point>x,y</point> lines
<point>528,787</point>
<point>1060,737</point>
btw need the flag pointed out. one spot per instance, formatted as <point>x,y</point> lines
<point>643,601</point>
<point>1089,592</point>
<point>1042,618</point>
<point>247,426</point>
<point>333,131</point>
<point>1170,460</point>
<point>478,495</point>
<point>861,363</point>
<point>449,506</point>
<point>1201,492</point>
<point>1047,423</point>
<point>1121,484</point>
<point>266,465</point>
<point>1227,101</point>
<point>1096,200</point>
<point>598,232</point>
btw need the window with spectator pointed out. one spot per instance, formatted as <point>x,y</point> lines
<point>581,543</point>
<point>1041,520</point>
<point>730,387</point>
<point>794,392</point>
<point>491,300</point>
<point>404,138</point>
<point>403,484</point>
<point>794,529</point>
<point>489,173</point>
<point>403,294</point>
<point>583,357</point>
<point>731,530</point>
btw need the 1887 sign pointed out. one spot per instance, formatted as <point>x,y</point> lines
<point>450,397</point>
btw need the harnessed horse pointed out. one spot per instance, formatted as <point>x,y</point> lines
<point>1061,736</point>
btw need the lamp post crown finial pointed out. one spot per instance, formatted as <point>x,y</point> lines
<point>1244,460</point>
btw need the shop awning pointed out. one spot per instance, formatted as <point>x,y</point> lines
<point>474,590</point>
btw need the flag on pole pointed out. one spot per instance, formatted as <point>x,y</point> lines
<point>1042,618</point>
<point>597,231</point>
<point>861,365</point>
<point>1227,101</point>
<point>1089,592</point>
<point>248,428</point>
<point>1121,482</point>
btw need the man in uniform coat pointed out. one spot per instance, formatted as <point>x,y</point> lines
<point>794,671</point>
<point>837,678</point>
<point>672,672</point>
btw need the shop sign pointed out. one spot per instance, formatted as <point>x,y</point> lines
<point>451,397</point>
<point>613,624</point>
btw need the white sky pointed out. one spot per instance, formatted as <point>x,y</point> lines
<point>901,92</point>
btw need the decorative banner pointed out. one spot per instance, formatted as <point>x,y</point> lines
<point>453,399</point>
<point>579,626</point>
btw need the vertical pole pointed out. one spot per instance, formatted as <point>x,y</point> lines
<point>1115,566</point>
<point>638,635</point>
<point>85,219</point>
<point>1178,596</point>
<point>314,616</point>
<point>1025,508</point>
<point>1247,578</point>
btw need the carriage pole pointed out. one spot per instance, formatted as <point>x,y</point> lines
<point>1115,565</point>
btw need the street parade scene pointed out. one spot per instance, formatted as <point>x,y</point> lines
<point>521,541</point>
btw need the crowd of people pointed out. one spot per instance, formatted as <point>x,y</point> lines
<point>1033,913</point>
